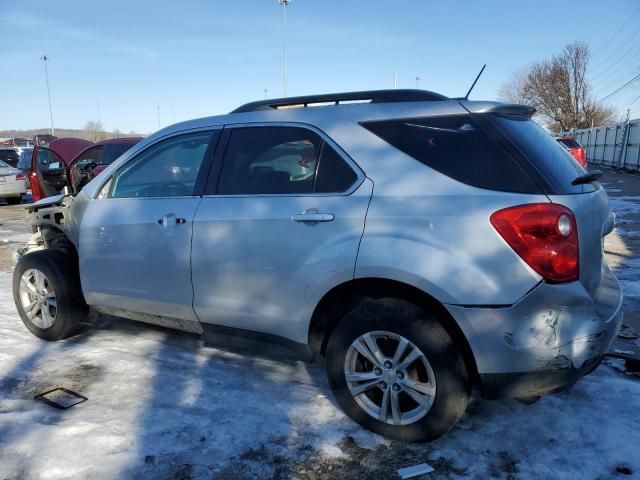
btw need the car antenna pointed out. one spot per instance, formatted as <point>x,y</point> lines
<point>466,97</point>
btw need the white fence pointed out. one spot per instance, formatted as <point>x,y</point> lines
<point>616,146</point>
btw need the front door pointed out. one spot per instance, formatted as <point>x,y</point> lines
<point>135,239</point>
<point>282,226</point>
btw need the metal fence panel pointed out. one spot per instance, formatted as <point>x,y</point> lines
<point>608,145</point>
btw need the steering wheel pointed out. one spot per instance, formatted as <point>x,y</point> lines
<point>174,189</point>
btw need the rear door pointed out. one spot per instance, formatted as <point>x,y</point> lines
<point>51,172</point>
<point>135,238</point>
<point>280,224</point>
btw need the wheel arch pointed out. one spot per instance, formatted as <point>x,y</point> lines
<point>341,299</point>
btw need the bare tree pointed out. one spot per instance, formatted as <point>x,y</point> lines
<point>95,130</point>
<point>117,133</point>
<point>559,90</point>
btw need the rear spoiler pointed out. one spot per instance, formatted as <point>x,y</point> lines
<point>496,107</point>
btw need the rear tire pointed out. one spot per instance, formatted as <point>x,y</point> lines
<point>419,401</point>
<point>47,294</point>
<point>13,200</point>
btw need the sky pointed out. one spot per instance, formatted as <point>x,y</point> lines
<point>135,65</point>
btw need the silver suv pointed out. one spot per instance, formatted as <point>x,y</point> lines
<point>424,246</point>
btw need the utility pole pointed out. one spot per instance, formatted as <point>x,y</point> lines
<point>418,81</point>
<point>284,4</point>
<point>158,108</point>
<point>395,79</point>
<point>44,58</point>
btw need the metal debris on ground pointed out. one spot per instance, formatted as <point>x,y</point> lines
<point>414,471</point>
<point>60,398</point>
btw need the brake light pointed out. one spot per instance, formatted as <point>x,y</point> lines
<point>545,236</point>
<point>20,176</point>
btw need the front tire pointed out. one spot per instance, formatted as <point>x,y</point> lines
<point>47,294</point>
<point>395,370</point>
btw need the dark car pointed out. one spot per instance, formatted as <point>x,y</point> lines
<point>9,156</point>
<point>72,163</point>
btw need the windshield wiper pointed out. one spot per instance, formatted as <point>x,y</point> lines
<point>588,177</point>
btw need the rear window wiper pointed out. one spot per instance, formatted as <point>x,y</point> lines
<point>588,177</point>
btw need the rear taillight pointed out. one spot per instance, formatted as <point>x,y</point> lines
<point>545,236</point>
<point>20,176</point>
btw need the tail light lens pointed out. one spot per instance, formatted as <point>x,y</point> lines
<point>20,176</point>
<point>545,235</point>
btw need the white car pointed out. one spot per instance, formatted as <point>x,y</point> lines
<point>12,184</point>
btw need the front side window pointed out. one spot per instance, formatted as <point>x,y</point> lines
<point>167,169</point>
<point>48,160</point>
<point>113,151</point>
<point>281,160</point>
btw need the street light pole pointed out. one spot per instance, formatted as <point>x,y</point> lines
<point>418,81</point>
<point>44,58</point>
<point>284,4</point>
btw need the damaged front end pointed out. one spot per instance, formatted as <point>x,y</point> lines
<point>54,224</point>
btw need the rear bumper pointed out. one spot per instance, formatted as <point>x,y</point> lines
<point>547,341</point>
<point>12,189</point>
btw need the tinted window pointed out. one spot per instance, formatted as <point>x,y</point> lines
<point>10,157</point>
<point>544,153</point>
<point>281,160</point>
<point>459,148</point>
<point>167,169</point>
<point>113,151</point>
<point>334,174</point>
<point>569,142</point>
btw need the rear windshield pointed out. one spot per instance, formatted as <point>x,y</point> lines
<point>10,155</point>
<point>113,151</point>
<point>545,154</point>
<point>458,147</point>
<point>569,142</point>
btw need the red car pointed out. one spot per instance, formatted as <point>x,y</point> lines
<point>72,162</point>
<point>576,150</point>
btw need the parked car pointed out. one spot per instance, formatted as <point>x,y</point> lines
<point>71,163</point>
<point>50,166</point>
<point>475,262</point>
<point>576,150</point>
<point>95,158</point>
<point>25,161</point>
<point>9,156</point>
<point>12,184</point>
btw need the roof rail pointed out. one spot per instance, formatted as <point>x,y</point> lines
<point>371,96</point>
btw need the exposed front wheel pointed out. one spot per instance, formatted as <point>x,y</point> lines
<point>395,370</point>
<point>47,294</point>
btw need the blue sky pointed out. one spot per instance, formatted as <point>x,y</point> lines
<point>200,58</point>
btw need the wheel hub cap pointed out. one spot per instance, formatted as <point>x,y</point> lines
<point>390,378</point>
<point>37,298</point>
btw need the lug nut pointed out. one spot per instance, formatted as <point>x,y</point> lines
<point>400,375</point>
<point>382,385</point>
<point>388,364</point>
<point>377,371</point>
<point>396,387</point>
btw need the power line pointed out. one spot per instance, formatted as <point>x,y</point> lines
<point>614,55</point>
<point>617,32</point>
<point>620,88</point>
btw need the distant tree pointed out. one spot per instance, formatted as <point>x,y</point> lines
<point>95,130</point>
<point>117,133</point>
<point>559,90</point>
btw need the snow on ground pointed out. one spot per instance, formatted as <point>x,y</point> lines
<point>162,406</point>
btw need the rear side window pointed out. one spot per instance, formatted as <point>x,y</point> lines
<point>113,151</point>
<point>9,156</point>
<point>544,153</point>
<point>458,147</point>
<point>48,160</point>
<point>281,161</point>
